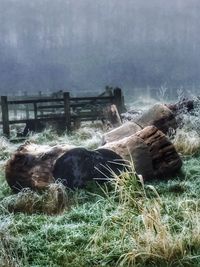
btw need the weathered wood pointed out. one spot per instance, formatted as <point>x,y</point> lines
<point>125,130</point>
<point>160,116</point>
<point>165,159</point>
<point>38,119</point>
<point>117,99</point>
<point>36,166</point>
<point>50,115</point>
<point>26,106</point>
<point>86,108</point>
<point>91,98</point>
<point>35,111</point>
<point>32,101</point>
<point>112,116</point>
<point>40,96</point>
<point>153,155</point>
<point>66,98</point>
<point>32,165</point>
<point>5,116</point>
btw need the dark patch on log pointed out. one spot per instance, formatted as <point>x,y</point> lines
<point>80,165</point>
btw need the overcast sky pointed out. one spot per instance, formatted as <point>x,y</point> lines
<point>88,44</point>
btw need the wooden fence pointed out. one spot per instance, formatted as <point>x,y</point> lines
<point>66,109</point>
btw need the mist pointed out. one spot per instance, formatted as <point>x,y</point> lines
<point>80,45</point>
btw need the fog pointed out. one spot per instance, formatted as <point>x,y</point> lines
<point>88,44</point>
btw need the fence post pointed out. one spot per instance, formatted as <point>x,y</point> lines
<point>14,108</point>
<point>41,104</point>
<point>35,110</point>
<point>118,101</point>
<point>26,106</point>
<point>66,98</point>
<point>5,116</point>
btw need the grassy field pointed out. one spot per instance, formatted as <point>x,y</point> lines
<point>125,224</point>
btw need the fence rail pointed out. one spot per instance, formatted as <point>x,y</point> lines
<point>65,108</point>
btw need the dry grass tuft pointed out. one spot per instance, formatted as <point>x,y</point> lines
<point>52,201</point>
<point>144,230</point>
<point>5,148</point>
<point>187,143</point>
<point>156,243</point>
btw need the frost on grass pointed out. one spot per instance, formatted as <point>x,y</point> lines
<point>131,225</point>
<point>187,143</point>
<point>9,242</point>
<point>86,136</point>
<point>187,136</point>
<point>52,201</point>
<point>6,148</point>
<point>147,230</point>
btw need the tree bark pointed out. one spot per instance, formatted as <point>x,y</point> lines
<point>152,154</point>
<point>159,115</point>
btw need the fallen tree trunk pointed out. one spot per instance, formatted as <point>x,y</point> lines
<point>125,130</point>
<point>153,155</point>
<point>36,167</point>
<point>159,115</point>
<point>32,165</point>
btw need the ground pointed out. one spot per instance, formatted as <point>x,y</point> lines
<point>127,224</point>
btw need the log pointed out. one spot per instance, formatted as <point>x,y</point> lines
<point>153,155</point>
<point>165,159</point>
<point>31,166</point>
<point>111,115</point>
<point>159,115</point>
<point>37,166</point>
<point>125,130</point>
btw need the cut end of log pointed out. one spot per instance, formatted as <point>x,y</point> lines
<point>160,116</point>
<point>165,159</point>
<point>153,155</point>
<point>31,166</point>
